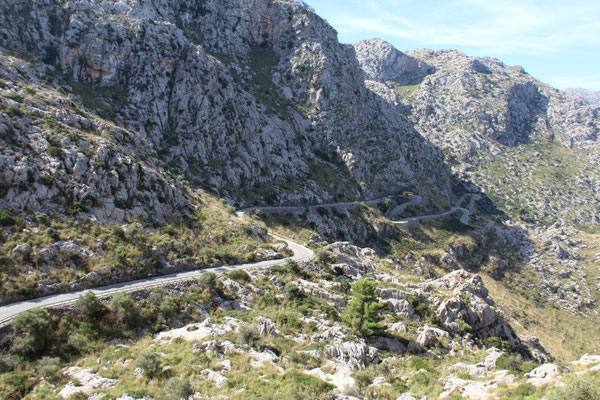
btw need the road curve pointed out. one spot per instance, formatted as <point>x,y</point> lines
<point>328,206</point>
<point>7,312</point>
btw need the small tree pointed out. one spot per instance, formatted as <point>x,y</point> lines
<point>78,342</point>
<point>177,389</point>
<point>149,361</point>
<point>363,313</point>
<point>124,309</point>
<point>89,306</point>
<point>49,368</point>
<point>30,331</point>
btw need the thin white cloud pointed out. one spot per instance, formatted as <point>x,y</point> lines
<point>506,27</point>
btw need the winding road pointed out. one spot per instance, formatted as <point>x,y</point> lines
<point>7,312</point>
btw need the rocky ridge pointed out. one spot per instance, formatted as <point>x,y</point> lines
<point>242,96</point>
<point>499,127</point>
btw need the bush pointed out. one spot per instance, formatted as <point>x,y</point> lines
<point>13,111</point>
<point>209,283</point>
<point>117,232</point>
<point>176,389</point>
<point>324,257</point>
<point>293,293</point>
<point>41,218</point>
<point>363,380</point>
<point>7,218</point>
<point>30,331</point>
<point>78,342</point>
<point>49,368</point>
<point>168,230</point>
<point>55,152</point>
<point>322,211</point>
<point>168,307</point>
<point>90,307</point>
<point>239,275</point>
<point>578,387</point>
<point>515,363</point>
<point>363,313</point>
<point>124,310</point>
<point>248,334</point>
<point>305,386</point>
<point>149,361</point>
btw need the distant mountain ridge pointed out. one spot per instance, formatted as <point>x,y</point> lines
<point>592,97</point>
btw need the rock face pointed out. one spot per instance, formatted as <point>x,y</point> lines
<point>470,308</point>
<point>479,111</point>
<point>87,382</point>
<point>355,354</point>
<point>588,95</point>
<point>233,95</point>
<point>383,62</point>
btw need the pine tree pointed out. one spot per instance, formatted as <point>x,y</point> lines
<point>363,313</point>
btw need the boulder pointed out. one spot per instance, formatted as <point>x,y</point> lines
<point>545,374</point>
<point>87,382</point>
<point>266,327</point>
<point>355,354</point>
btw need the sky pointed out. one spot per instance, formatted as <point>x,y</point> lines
<point>556,41</point>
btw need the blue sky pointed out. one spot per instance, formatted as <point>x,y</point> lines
<point>556,41</point>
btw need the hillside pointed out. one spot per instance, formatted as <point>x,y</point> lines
<point>531,147</point>
<point>446,206</point>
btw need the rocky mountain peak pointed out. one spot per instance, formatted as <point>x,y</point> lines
<point>590,96</point>
<point>383,62</point>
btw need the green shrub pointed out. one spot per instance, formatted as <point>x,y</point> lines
<point>168,307</point>
<point>363,379</point>
<point>302,384</point>
<point>30,331</point>
<point>41,218</point>
<point>515,363</point>
<point>578,387</point>
<point>75,208</point>
<point>239,275</point>
<point>168,230</point>
<point>78,342</point>
<point>16,385</point>
<point>55,152</point>
<point>209,284</point>
<point>248,334</point>
<point>424,310</point>
<point>176,389</point>
<point>90,307</point>
<point>322,211</point>
<point>47,180</point>
<point>49,368</point>
<point>419,380</point>
<point>522,391</point>
<point>305,360</point>
<point>117,231</point>
<point>13,111</point>
<point>324,257</point>
<point>124,310</point>
<point>149,361</point>
<point>7,218</point>
<point>293,293</point>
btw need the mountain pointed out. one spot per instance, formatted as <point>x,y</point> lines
<point>588,95</point>
<point>256,102</point>
<point>531,147</point>
<point>448,205</point>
